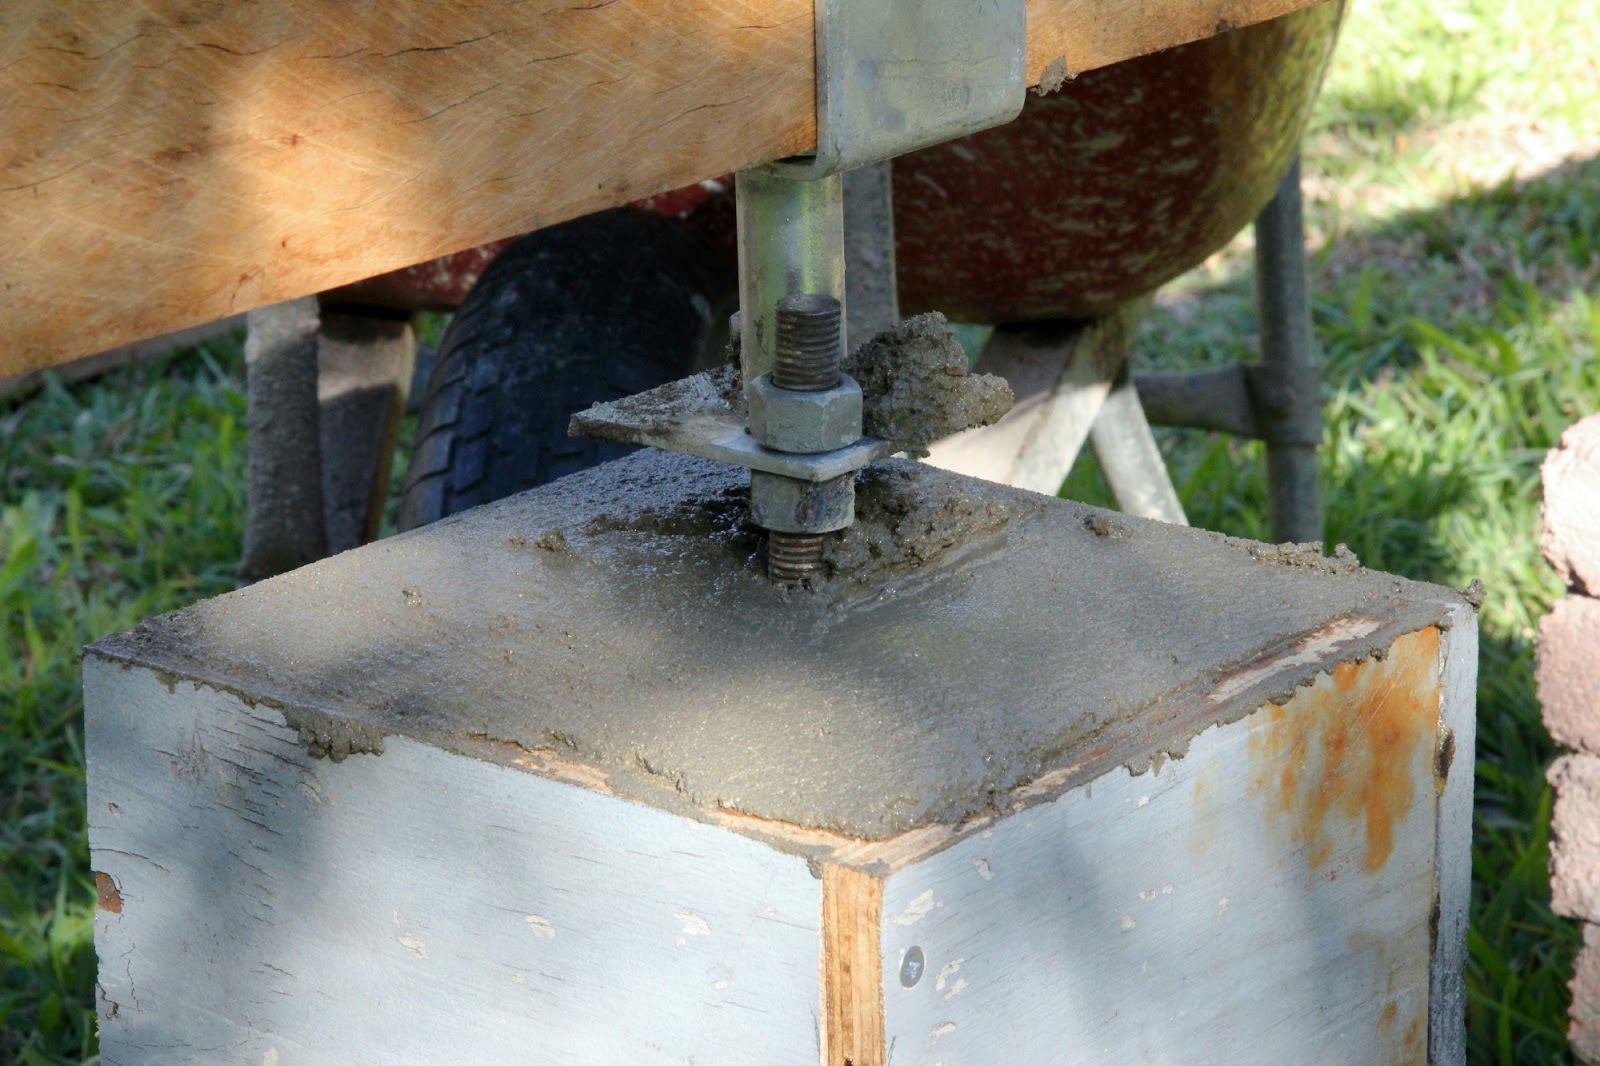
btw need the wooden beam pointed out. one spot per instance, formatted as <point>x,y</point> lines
<point>168,162</point>
<point>90,367</point>
<point>1081,35</point>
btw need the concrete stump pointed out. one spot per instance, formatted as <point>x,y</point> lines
<point>565,780</point>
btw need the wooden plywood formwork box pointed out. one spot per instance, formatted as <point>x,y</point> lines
<point>565,779</point>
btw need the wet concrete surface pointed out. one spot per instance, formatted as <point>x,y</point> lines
<point>971,639</point>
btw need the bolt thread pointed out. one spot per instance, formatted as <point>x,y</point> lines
<point>792,557</point>
<point>807,347</point>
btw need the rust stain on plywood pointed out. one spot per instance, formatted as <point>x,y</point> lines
<point>1410,1047</point>
<point>109,896</point>
<point>1341,756</point>
<point>1403,1021</point>
<point>1414,1047</point>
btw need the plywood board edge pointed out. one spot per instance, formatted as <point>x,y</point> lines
<point>1458,668</point>
<point>1210,702</point>
<point>852,968</point>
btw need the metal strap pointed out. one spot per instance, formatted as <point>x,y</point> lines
<point>896,75</point>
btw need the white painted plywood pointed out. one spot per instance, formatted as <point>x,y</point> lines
<point>418,906</point>
<point>1265,898</point>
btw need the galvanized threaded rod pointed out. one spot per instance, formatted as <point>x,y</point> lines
<point>808,356</point>
<point>807,352</point>
<point>793,557</point>
<point>791,239</point>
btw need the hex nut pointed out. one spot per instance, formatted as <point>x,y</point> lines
<point>804,423</point>
<point>789,505</point>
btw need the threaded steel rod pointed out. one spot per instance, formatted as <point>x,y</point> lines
<point>807,349</point>
<point>793,557</point>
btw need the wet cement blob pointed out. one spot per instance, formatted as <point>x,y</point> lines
<point>907,522</point>
<point>916,387</point>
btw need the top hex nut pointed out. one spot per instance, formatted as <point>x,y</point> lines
<point>804,423</point>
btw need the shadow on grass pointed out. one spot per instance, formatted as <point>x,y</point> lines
<point>1478,259</point>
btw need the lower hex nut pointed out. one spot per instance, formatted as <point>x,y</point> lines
<point>789,505</point>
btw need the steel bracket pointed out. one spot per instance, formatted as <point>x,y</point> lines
<point>897,75</point>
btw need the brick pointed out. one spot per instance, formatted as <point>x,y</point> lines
<point>1567,672</point>
<point>1571,476</point>
<point>1584,1031</point>
<point>1575,837</point>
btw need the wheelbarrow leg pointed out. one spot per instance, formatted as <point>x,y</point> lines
<point>1130,459</point>
<point>284,519</point>
<point>325,392</point>
<point>1278,399</point>
<point>1072,385</point>
<point>1061,375</point>
<point>1286,388</point>
<point>365,364</point>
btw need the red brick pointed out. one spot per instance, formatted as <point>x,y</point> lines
<point>1575,837</point>
<point>1571,476</point>
<point>1567,672</point>
<point>1584,1031</point>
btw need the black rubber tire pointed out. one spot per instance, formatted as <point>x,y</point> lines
<point>593,309</point>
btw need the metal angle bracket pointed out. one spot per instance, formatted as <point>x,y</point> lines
<point>897,75</point>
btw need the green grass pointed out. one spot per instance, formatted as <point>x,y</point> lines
<point>1459,321</point>
<point>117,501</point>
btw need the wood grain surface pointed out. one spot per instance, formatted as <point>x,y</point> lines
<point>852,968</point>
<point>168,162</point>
<point>1085,34</point>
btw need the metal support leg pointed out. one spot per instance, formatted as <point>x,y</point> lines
<point>326,392</point>
<point>1278,399</point>
<point>1217,399</point>
<point>284,519</point>
<point>792,339</point>
<point>791,239</point>
<point>1286,387</point>
<point>873,300</point>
